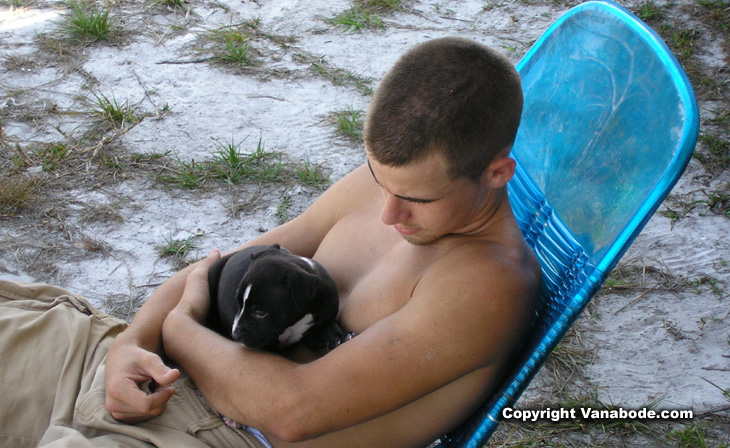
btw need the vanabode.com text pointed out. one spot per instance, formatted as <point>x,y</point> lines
<point>555,415</point>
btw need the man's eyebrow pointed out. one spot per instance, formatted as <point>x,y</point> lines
<point>405,198</point>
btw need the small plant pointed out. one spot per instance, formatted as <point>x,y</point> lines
<point>96,245</point>
<point>16,192</point>
<point>52,154</point>
<point>350,123</point>
<point>364,14</point>
<point>143,158</point>
<point>176,248</point>
<point>683,43</point>
<point>384,4</point>
<point>725,392</point>
<point>693,436</point>
<point>186,175</point>
<point>282,211</point>
<point>342,77</point>
<point>233,166</point>
<point>673,215</point>
<point>719,151</point>
<point>312,174</point>
<point>718,13</point>
<point>237,52</point>
<point>175,5</point>
<point>264,166</point>
<point>356,19</point>
<point>229,162</point>
<point>719,201</point>
<point>232,44</point>
<point>649,11</point>
<point>109,161</point>
<point>86,23</point>
<point>113,113</point>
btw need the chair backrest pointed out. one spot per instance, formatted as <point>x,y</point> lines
<point>609,124</point>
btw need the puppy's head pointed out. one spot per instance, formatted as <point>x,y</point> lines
<point>274,297</point>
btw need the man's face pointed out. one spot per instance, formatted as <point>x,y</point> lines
<point>423,204</point>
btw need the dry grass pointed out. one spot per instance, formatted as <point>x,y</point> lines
<point>17,192</point>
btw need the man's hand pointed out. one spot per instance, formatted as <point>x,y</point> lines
<point>128,368</point>
<point>195,302</point>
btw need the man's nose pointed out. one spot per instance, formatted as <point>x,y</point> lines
<point>394,211</point>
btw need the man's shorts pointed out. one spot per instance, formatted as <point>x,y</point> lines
<point>53,345</point>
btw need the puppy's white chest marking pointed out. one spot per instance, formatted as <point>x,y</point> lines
<point>309,262</point>
<point>246,293</point>
<point>295,332</point>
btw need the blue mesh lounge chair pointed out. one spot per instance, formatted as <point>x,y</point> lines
<point>609,124</point>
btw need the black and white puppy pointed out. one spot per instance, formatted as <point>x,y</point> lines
<point>266,298</point>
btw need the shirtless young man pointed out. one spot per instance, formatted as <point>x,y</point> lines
<point>432,271</point>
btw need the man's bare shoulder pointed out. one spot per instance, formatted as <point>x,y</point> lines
<point>490,260</point>
<point>304,234</point>
<point>487,288</point>
<point>350,193</point>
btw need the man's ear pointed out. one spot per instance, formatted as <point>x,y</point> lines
<point>498,172</point>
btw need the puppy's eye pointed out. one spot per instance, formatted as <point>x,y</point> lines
<point>259,314</point>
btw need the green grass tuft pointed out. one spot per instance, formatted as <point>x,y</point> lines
<point>86,23</point>
<point>311,174</point>
<point>51,154</point>
<point>16,193</point>
<point>649,11</point>
<point>113,113</point>
<point>357,19</point>
<point>342,77</point>
<point>350,123</point>
<point>186,175</point>
<point>176,248</point>
<point>232,44</point>
<point>282,211</point>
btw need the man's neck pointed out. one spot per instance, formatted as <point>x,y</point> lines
<point>489,220</point>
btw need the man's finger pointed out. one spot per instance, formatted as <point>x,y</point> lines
<point>165,376</point>
<point>207,262</point>
<point>137,404</point>
<point>155,369</point>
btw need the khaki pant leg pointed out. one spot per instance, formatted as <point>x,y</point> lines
<point>188,421</point>
<point>53,346</point>
<point>51,342</point>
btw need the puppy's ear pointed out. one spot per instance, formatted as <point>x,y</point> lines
<point>302,286</point>
<point>258,253</point>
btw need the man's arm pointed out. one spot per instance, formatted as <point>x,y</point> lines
<point>135,357</point>
<point>450,328</point>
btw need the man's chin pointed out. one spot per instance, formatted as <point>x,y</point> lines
<point>416,236</point>
<point>421,239</point>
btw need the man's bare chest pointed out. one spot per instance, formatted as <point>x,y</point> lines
<point>375,270</point>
